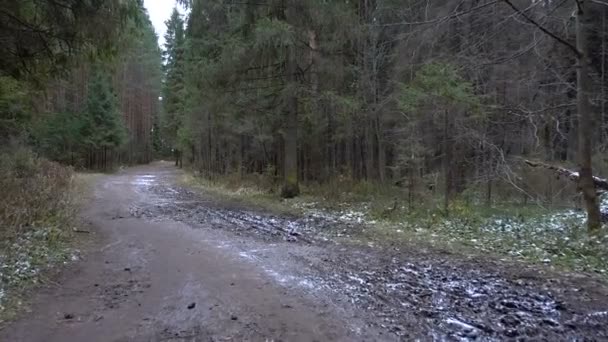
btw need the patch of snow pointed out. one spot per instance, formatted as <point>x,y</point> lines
<point>460,324</point>
<point>598,314</point>
<point>247,256</point>
<point>393,286</point>
<point>357,279</point>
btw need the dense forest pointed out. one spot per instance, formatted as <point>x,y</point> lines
<point>80,81</point>
<point>79,91</point>
<point>308,170</point>
<point>443,97</point>
<point>446,100</point>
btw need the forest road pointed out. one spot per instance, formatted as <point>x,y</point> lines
<point>166,263</point>
<point>162,280</point>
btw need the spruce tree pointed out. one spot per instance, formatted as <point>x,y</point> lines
<point>173,107</point>
<point>103,127</point>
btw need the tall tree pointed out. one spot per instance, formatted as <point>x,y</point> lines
<point>313,91</point>
<point>173,85</point>
<point>133,71</point>
<point>584,28</point>
<point>103,128</point>
<point>586,119</point>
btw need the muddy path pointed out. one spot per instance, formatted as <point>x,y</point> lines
<point>174,265</point>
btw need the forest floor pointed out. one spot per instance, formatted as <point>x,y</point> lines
<point>168,263</point>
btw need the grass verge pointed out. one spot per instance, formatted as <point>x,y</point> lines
<point>553,237</point>
<point>37,222</point>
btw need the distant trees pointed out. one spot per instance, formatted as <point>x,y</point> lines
<point>137,78</point>
<point>395,91</point>
<point>585,30</point>
<point>85,138</point>
<point>80,80</point>
<point>173,85</point>
<point>102,129</point>
<point>453,107</point>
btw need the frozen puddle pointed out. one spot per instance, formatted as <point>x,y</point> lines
<point>282,278</point>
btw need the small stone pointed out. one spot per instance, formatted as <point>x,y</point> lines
<point>68,316</point>
<point>550,322</point>
<point>127,269</point>
<point>511,333</point>
<point>191,306</point>
<point>234,318</point>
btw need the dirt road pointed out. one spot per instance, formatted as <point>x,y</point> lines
<point>173,265</point>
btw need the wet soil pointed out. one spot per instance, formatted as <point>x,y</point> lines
<point>176,265</point>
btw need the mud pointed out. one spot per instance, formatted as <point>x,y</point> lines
<point>256,276</point>
<point>411,296</point>
<point>165,200</point>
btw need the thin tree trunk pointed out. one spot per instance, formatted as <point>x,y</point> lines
<point>446,162</point>
<point>291,186</point>
<point>489,193</point>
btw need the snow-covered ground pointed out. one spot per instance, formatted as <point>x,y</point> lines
<point>548,238</point>
<point>23,260</point>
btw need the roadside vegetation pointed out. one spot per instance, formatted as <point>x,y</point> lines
<point>37,222</point>
<point>68,74</point>
<point>544,233</point>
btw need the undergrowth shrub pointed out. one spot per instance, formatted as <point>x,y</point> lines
<point>37,211</point>
<point>35,191</point>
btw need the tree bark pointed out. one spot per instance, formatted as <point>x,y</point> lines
<point>585,117</point>
<point>291,186</point>
<point>447,160</point>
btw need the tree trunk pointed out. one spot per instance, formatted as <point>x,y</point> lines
<point>291,186</point>
<point>489,193</point>
<point>446,162</point>
<point>585,117</point>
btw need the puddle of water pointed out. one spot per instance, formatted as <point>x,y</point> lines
<point>145,180</point>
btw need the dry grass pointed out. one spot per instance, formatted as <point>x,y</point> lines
<point>35,192</point>
<point>40,200</point>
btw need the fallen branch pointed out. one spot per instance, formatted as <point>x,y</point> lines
<point>81,231</point>
<point>600,183</point>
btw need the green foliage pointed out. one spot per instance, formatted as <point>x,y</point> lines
<point>69,137</point>
<point>59,137</point>
<point>173,92</point>
<point>273,34</point>
<point>42,38</point>
<point>15,107</point>
<point>41,99</point>
<point>103,127</point>
<point>438,84</point>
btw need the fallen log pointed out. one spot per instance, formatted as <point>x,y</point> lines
<point>600,183</point>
